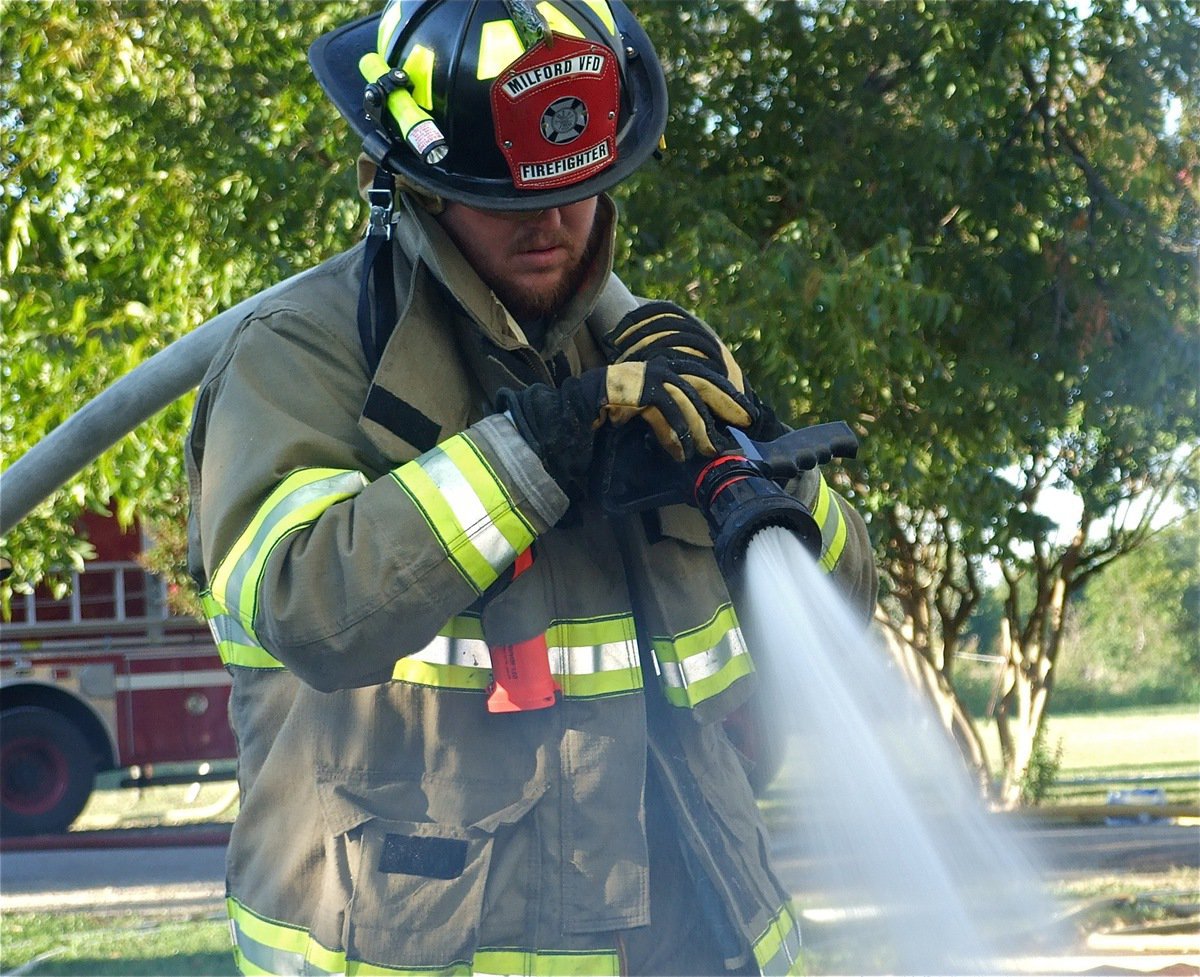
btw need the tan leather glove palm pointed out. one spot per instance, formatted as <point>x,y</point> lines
<point>679,398</point>
<point>664,329</point>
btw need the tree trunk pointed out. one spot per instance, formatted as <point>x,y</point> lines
<point>1021,710</point>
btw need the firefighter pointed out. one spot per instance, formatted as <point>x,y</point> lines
<point>390,472</point>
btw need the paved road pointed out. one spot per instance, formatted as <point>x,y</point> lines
<point>1135,848</point>
<point>186,877</point>
<point>191,876</point>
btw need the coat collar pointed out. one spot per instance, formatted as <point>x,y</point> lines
<point>425,242</point>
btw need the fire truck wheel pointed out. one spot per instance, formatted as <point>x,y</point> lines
<point>47,771</point>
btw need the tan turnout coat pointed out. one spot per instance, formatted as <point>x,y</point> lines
<point>353,534</point>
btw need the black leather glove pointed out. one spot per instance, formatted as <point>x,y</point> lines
<point>664,329</point>
<point>680,398</point>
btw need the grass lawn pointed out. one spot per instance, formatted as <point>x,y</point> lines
<point>1119,747</point>
<point>97,945</point>
<point>111,806</point>
<point>1147,739</point>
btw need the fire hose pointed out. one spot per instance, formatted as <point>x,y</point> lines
<point>118,409</point>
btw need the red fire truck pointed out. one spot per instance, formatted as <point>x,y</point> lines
<point>103,679</point>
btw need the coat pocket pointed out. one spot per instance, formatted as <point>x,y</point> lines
<point>418,893</point>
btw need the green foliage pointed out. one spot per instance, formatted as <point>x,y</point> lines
<point>161,161</point>
<point>1135,630</point>
<point>960,226</point>
<point>1039,776</point>
<point>1132,636</point>
<point>967,229</point>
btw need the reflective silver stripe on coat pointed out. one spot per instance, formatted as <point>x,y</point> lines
<point>469,510</point>
<point>285,511</point>
<point>695,668</point>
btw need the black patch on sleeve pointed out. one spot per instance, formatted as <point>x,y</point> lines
<point>432,858</point>
<point>401,418</point>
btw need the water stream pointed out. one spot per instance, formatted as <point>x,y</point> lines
<point>897,864</point>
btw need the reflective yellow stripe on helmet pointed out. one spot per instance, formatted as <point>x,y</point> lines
<point>294,504</point>
<point>263,946</point>
<point>500,45</point>
<point>602,10</point>
<point>777,950</point>
<point>419,68</point>
<point>700,664</point>
<point>389,22</point>
<point>468,509</point>
<point>557,21</point>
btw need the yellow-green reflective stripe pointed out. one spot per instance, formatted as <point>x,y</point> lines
<point>463,626</point>
<point>547,964</point>
<point>777,950</point>
<point>458,658</point>
<point>702,663</point>
<point>296,502</point>
<point>234,645</point>
<point>419,68</point>
<point>694,692</point>
<point>448,663</point>
<point>499,46</point>
<point>427,497</point>
<point>417,672</point>
<point>501,510</point>
<point>263,946</point>
<point>601,9</point>
<point>387,27</point>
<point>467,508</point>
<point>828,515</point>
<point>588,658</point>
<point>594,657</point>
<point>558,21</point>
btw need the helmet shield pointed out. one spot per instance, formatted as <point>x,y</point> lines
<point>530,118</point>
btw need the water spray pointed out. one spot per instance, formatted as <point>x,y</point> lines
<point>902,867</point>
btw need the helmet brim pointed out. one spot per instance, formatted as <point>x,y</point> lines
<point>334,59</point>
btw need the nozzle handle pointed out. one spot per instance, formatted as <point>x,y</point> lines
<point>798,451</point>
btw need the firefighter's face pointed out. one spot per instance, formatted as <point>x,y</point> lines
<point>532,260</point>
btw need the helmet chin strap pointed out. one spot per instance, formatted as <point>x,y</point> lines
<point>377,272</point>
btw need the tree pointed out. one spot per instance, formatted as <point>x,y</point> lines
<point>967,229</point>
<point>1136,629</point>
<point>161,161</point>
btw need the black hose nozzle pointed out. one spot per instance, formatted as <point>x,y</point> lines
<point>738,493</point>
<point>738,498</point>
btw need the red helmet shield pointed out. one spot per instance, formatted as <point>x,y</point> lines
<point>555,110</point>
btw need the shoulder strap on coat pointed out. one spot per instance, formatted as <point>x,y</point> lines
<point>377,272</point>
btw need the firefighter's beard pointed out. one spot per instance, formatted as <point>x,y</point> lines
<point>528,305</point>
